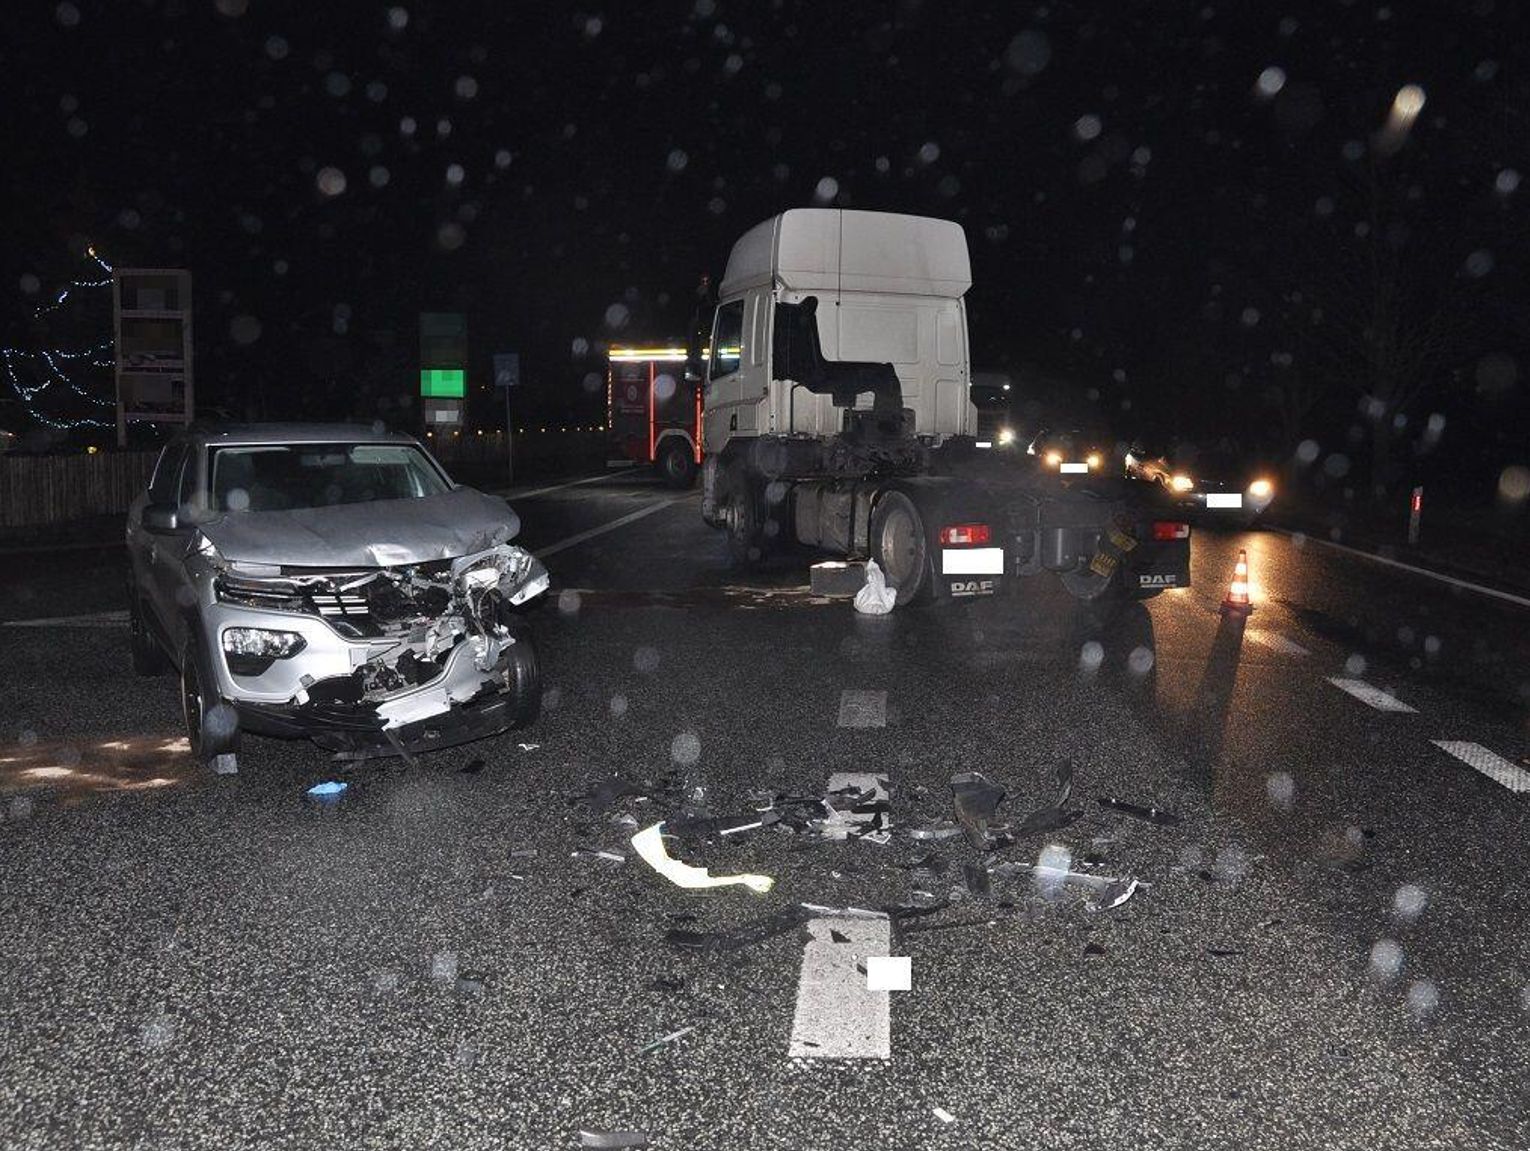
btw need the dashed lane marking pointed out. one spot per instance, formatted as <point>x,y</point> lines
<point>620,522</point>
<point>92,619</point>
<point>863,709</point>
<point>1489,763</point>
<point>1278,642</point>
<point>837,1016</point>
<point>1374,696</point>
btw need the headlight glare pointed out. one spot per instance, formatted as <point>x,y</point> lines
<point>1182,483</point>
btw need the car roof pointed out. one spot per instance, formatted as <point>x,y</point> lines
<point>275,433</point>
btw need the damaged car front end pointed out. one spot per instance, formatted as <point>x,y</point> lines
<point>379,627</point>
<point>363,662</point>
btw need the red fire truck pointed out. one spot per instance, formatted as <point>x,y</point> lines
<point>652,414</point>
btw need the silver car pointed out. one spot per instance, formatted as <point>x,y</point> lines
<point>329,582</point>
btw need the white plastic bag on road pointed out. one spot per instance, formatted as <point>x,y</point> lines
<point>875,598</point>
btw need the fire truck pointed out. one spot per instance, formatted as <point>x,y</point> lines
<point>653,413</point>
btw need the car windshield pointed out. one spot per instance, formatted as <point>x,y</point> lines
<point>280,477</point>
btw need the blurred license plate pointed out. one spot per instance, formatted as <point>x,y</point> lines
<point>1075,469</point>
<point>1224,499</point>
<point>972,561</point>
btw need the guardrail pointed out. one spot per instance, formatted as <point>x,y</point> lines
<point>38,490</point>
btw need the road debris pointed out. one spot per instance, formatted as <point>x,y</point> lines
<point>593,853</point>
<point>858,806</point>
<point>943,1115</point>
<point>329,789</point>
<point>884,972</point>
<point>664,1040</point>
<point>1106,892</point>
<point>935,831</point>
<point>594,1137</point>
<point>693,828</point>
<point>875,597</point>
<point>1094,947</point>
<point>529,746</point>
<point>976,800</point>
<point>1136,811</point>
<point>780,923</point>
<point>649,844</point>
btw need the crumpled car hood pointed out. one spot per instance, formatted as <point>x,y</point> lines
<point>382,533</point>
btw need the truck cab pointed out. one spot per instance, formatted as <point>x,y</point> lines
<point>877,287</point>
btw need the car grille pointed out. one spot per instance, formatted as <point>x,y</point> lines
<point>347,605</point>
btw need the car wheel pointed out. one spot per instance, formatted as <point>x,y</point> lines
<point>212,728</point>
<point>899,546</point>
<point>148,656</point>
<point>523,678</point>
<point>677,463</point>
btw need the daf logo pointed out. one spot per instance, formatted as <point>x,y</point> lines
<point>1157,580</point>
<point>972,587</point>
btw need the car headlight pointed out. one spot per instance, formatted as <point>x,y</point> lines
<point>1182,483</point>
<point>1006,436</point>
<point>1092,460</point>
<point>251,650</point>
<point>1054,459</point>
<point>1261,489</point>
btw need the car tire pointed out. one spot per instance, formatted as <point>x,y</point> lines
<point>901,548</point>
<point>212,727</point>
<point>148,656</point>
<point>523,678</point>
<point>677,463</point>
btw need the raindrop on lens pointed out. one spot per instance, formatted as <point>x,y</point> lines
<point>685,748</point>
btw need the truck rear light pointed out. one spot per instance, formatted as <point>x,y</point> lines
<point>958,534</point>
<point>1168,530</point>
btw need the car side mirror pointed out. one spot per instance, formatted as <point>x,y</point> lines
<point>161,518</point>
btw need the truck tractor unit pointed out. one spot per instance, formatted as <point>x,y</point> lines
<point>836,413</point>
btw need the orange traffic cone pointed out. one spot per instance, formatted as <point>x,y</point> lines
<point>1237,592</point>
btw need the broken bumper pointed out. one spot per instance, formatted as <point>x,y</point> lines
<point>355,731</point>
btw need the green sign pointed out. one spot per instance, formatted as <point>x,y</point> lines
<point>443,383</point>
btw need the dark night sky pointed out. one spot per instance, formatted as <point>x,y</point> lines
<point>1148,228</point>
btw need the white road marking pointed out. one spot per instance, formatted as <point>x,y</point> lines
<point>1508,597</point>
<point>91,619</point>
<point>1489,763</point>
<point>1273,639</point>
<point>1365,693</point>
<point>837,1017</point>
<point>863,709</point>
<point>620,522</point>
<point>513,494</point>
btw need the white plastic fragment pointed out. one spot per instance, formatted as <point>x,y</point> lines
<point>226,764</point>
<point>943,1115</point>
<point>889,973</point>
<point>649,844</point>
<point>875,597</point>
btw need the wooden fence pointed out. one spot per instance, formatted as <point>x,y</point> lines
<point>36,490</point>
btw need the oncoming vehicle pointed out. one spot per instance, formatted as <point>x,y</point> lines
<point>1214,485</point>
<point>329,582</point>
<point>1072,451</point>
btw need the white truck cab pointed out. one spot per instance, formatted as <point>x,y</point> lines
<point>887,289</point>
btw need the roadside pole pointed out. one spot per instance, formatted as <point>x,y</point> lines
<point>507,374</point>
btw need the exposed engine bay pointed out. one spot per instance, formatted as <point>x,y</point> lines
<point>417,639</point>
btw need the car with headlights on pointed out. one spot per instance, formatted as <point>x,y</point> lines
<point>1073,451</point>
<point>1215,485</point>
<point>329,582</point>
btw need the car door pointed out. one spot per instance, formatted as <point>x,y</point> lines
<point>169,590</point>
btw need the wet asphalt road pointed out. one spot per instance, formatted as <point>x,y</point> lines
<point>1328,950</point>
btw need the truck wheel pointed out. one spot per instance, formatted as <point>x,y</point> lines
<point>899,546</point>
<point>676,463</point>
<point>212,727</point>
<point>523,677</point>
<point>740,512</point>
<point>148,657</point>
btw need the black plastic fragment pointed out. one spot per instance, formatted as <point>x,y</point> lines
<point>782,922</point>
<point>1094,947</point>
<point>976,877</point>
<point>1152,815</point>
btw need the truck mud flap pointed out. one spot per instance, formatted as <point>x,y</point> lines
<point>969,587</point>
<point>1157,566</point>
